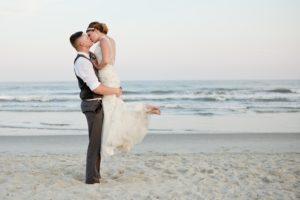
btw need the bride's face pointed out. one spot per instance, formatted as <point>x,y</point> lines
<point>93,35</point>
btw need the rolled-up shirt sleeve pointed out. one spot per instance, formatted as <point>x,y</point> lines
<point>84,69</point>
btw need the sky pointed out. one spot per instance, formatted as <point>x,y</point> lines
<point>156,39</point>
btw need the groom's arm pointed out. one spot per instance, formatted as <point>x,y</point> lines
<point>104,90</point>
<point>84,69</point>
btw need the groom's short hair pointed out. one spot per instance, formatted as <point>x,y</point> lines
<point>74,37</point>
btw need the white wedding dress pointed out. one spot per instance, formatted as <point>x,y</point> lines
<point>125,124</point>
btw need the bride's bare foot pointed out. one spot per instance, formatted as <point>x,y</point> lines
<point>153,109</point>
<point>156,111</point>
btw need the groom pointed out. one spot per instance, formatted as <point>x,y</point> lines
<point>91,92</point>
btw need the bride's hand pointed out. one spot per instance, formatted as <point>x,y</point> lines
<point>95,62</point>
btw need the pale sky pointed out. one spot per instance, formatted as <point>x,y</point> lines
<point>156,39</point>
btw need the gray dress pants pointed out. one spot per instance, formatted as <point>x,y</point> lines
<point>94,115</point>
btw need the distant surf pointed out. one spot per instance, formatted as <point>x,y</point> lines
<point>174,97</point>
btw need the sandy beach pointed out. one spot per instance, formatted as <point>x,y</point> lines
<point>211,166</point>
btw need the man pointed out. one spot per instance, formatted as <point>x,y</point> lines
<point>91,92</point>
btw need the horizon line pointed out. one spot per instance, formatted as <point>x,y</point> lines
<point>51,81</point>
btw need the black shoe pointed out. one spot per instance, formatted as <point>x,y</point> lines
<point>92,182</point>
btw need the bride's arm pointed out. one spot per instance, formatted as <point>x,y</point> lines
<point>105,54</point>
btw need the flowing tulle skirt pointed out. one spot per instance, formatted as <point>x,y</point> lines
<point>125,124</point>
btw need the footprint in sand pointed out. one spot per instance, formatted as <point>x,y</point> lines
<point>297,172</point>
<point>182,170</point>
<point>79,177</point>
<point>266,180</point>
<point>118,174</point>
<point>209,171</point>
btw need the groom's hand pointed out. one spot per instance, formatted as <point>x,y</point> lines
<point>119,93</point>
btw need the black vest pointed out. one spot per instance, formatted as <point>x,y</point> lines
<point>85,91</point>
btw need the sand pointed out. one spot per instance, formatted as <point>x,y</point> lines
<point>229,172</point>
<point>153,176</point>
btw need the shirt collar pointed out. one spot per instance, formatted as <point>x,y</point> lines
<point>85,54</point>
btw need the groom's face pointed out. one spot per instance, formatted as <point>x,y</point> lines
<point>85,41</point>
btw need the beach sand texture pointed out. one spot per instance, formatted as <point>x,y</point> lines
<point>153,176</point>
<point>222,173</point>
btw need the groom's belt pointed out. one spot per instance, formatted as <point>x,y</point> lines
<point>95,99</point>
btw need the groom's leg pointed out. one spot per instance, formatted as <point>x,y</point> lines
<point>95,121</point>
<point>98,161</point>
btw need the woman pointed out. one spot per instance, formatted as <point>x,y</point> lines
<point>125,124</point>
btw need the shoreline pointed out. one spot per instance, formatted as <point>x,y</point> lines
<point>64,123</point>
<point>161,143</point>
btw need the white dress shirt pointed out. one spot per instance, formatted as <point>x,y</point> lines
<point>84,69</point>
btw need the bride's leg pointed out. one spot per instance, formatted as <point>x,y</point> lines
<point>152,109</point>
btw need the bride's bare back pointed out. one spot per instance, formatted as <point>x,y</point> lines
<point>108,49</point>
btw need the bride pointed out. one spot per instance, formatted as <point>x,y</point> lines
<point>125,124</point>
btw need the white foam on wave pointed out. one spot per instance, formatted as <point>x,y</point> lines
<point>41,98</point>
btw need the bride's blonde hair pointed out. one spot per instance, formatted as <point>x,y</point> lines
<point>99,26</point>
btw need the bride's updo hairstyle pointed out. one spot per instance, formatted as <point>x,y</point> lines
<point>99,26</point>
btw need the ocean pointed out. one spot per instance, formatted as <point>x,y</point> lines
<point>199,98</point>
<point>174,97</point>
